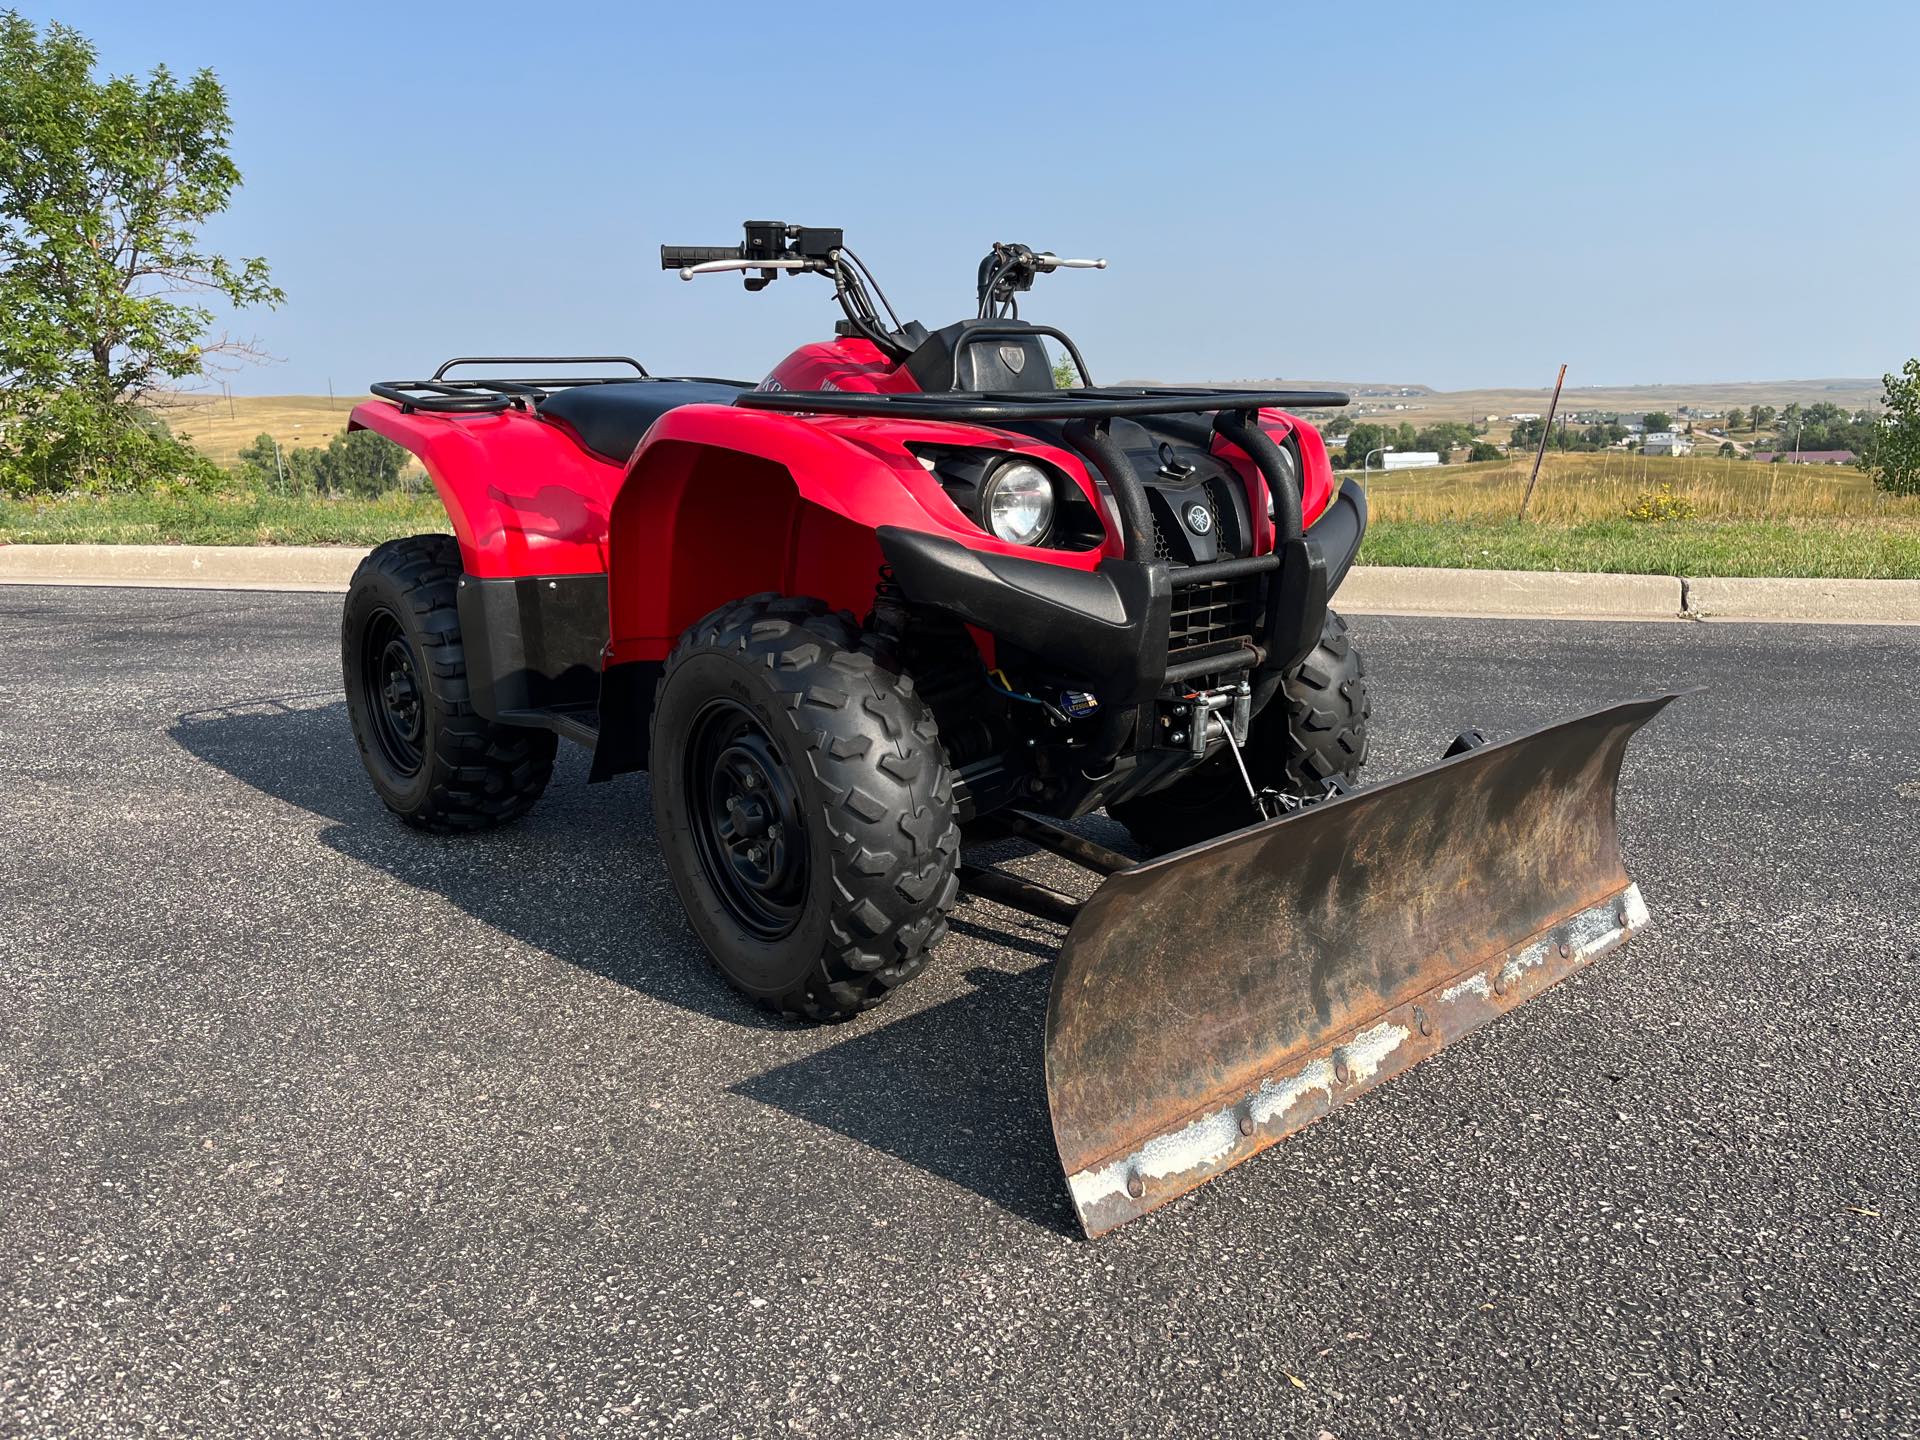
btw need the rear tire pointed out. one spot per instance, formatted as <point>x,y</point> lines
<point>434,760</point>
<point>804,808</point>
<point>1313,730</point>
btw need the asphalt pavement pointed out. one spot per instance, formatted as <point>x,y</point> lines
<point>313,1125</point>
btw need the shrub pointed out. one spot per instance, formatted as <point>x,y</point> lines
<point>1660,505</point>
<point>69,440</point>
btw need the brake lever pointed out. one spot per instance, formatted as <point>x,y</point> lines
<point>714,267</point>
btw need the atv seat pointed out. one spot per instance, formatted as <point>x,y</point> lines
<point>610,420</point>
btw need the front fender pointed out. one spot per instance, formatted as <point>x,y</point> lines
<point>719,503</point>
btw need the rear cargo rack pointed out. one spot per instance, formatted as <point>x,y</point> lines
<point>491,394</point>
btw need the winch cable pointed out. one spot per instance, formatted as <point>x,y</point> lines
<point>1263,800</point>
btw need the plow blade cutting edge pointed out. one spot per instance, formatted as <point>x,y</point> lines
<point>1209,1004</point>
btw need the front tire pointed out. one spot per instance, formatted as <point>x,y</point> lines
<point>1312,731</point>
<point>804,808</point>
<point>434,760</point>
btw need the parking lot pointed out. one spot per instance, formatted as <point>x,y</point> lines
<point>311,1124</point>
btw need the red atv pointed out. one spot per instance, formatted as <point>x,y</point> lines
<point>911,583</point>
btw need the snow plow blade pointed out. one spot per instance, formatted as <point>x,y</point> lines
<point>1209,1004</point>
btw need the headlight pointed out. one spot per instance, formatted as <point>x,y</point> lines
<point>1290,467</point>
<point>1018,503</point>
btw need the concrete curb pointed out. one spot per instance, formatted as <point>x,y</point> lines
<point>1369,589</point>
<point>207,567</point>
<point>1859,602</point>
<point>1418,590</point>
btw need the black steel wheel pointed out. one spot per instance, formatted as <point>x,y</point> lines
<point>750,828</point>
<point>433,759</point>
<point>804,808</point>
<point>393,681</point>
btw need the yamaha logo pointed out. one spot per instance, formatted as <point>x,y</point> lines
<point>1199,519</point>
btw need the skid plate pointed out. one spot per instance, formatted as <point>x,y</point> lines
<point>1211,1003</point>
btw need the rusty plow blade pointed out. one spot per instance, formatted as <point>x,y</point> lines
<point>1209,1004</point>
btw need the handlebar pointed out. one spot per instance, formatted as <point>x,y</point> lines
<point>1047,261</point>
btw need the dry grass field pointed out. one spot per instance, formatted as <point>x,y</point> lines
<point>223,428</point>
<point>1693,515</point>
<point>1607,484</point>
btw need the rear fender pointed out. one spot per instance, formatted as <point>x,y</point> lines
<point>523,497</point>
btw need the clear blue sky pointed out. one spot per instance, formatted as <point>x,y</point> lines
<point>1455,195</point>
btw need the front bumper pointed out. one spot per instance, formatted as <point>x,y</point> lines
<point>1107,630</point>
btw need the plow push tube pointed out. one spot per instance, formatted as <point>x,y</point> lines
<point>1209,1004</point>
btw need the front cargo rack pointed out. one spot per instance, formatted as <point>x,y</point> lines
<point>1089,411</point>
<point>1103,402</point>
<point>491,394</point>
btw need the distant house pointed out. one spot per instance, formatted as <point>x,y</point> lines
<point>1805,457</point>
<point>1666,442</point>
<point>1524,415</point>
<point>1409,459</point>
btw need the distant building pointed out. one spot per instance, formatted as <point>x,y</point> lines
<point>1529,415</point>
<point>1666,442</point>
<point>1409,459</point>
<point>1805,457</point>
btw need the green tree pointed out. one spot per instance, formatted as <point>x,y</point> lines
<point>1763,417</point>
<point>1362,440</point>
<point>1893,455</point>
<point>104,187</point>
<point>1736,417</point>
<point>1065,377</point>
<point>1481,451</point>
<point>1658,420</point>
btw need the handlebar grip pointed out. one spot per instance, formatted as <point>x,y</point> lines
<point>676,257</point>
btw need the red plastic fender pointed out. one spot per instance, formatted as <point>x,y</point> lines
<point>524,497</point>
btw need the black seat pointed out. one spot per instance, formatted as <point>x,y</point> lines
<point>611,419</point>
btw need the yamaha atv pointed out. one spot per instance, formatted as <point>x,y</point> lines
<point>914,587</point>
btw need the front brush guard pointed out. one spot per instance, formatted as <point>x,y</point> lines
<point>1211,1003</point>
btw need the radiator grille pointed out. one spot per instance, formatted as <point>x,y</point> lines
<point>1213,612</point>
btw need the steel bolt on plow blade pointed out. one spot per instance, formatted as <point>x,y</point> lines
<point>1207,1005</point>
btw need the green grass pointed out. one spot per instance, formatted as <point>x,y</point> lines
<point>1823,548</point>
<point>236,517</point>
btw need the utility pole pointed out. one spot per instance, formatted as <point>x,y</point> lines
<point>1546,430</point>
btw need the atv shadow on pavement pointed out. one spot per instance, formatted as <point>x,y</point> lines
<point>955,1089</point>
<point>942,1086</point>
<point>578,879</point>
